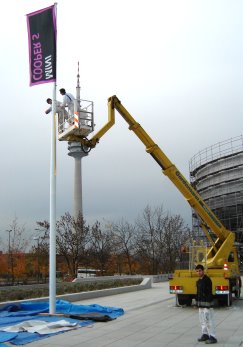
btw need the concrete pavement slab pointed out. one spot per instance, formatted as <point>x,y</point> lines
<point>151,319</point>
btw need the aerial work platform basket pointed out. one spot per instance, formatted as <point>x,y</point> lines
<point>80,123</point>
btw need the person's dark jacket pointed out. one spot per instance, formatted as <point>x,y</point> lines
<point>204,292</point>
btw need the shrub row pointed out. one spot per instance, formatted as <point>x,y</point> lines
<point>62,288</point>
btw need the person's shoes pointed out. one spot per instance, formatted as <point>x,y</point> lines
<point>211,340</point>
<point>203,338</point>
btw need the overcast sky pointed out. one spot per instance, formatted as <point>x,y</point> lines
<point>175,65</point>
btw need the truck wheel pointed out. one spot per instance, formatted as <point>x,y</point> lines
<point>237,293</point>
<point>230,299</point>
<point>183,300</point>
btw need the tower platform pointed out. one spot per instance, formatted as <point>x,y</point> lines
<point>66,134</point>
<point>79,124</point>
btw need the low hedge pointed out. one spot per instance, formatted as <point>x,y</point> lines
<point>38,291</point>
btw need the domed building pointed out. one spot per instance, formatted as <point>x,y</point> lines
<point>216,172</point>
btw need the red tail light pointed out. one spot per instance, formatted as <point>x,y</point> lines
<point>222,289</point>
<point>176,289</point>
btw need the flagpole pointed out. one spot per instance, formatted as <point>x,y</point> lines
<point>43,70</point>
<point>52,251</point>
<point>52,254</point>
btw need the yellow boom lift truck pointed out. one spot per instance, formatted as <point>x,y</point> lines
<point>220,257</point>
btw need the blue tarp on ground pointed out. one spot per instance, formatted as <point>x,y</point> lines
<point>7,336</point>
<point>16,313</point>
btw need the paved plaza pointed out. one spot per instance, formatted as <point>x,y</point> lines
<point>151,319</point>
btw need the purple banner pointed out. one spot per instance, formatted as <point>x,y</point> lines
<point>42,45</point>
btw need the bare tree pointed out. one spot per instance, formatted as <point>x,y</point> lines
<point>174,234</point>
<point>101,242</point>
<point>19,241</point>
<point>45,226</point>
<point>72,240</point>
<point>149,226</point>
<point>124,240</point>
<point>159,239</point>
<point>17,245</point>
<point>41,250</point>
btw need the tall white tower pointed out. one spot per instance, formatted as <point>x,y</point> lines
<point>76,151</point>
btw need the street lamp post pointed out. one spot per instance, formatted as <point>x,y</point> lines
<point>9,259</point>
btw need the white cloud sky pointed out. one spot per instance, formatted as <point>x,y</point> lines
<point>175,65</point>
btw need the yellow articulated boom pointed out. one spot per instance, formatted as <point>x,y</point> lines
<point>221,258</point>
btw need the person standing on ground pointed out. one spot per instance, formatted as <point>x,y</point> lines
<point>68,100</point>
<point>204,301</point>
